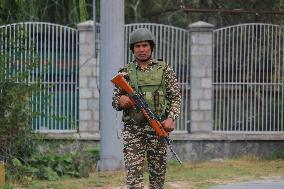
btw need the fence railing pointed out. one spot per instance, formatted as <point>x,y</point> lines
<point>249,78</point>
<point>248,74</point>
<point>56,48</point>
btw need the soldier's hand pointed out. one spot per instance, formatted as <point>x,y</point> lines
<point>168,124</point>
<point>125,102</point>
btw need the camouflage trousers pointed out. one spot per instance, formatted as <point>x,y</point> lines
<point>141,142</point>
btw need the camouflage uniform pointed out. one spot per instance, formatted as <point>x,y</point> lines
<point>140,140</point>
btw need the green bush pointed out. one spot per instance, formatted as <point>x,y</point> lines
<point>6,187</point>
<point>51,166</point>
<point>17,63</point>
<point>20,81</point>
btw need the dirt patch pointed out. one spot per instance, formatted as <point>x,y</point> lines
<point>178,185</point>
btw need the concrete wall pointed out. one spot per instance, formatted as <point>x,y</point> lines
<point>208,146</point>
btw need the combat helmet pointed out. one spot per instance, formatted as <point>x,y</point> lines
<point>141,34</point>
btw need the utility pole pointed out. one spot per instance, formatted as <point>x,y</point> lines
<point>111,59</point>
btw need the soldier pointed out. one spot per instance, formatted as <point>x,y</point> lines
<point>158,82</point>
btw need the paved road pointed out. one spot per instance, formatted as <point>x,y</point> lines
<point>274,183</point>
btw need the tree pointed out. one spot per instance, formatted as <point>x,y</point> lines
<point>170,12</point>
<point>66,12</point>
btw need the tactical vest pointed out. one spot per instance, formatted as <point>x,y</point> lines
<point>152,85</point>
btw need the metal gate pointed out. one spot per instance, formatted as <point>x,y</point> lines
<point>56,48</point>
<point>249,78</point>
<point>172,45</point>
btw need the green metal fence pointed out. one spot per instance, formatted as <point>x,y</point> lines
<point>56,49</point>
<point>249,79</point>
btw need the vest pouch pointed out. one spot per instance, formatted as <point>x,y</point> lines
<point>133,116</point>
<point>126,116</point>
<point>160,101</point>
<point>156,101</point>
<point>137,117</point>
<point>149,98</point>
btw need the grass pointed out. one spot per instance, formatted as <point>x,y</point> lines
<point>196,175</point>
<point>204,174</point>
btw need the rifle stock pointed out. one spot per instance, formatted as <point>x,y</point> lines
<point>154,122</point>
<point>122,83</point>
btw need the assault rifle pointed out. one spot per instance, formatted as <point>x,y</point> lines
<point>149,114</point>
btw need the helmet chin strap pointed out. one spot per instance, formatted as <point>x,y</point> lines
<point>146,60</point>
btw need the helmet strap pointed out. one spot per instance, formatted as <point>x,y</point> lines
<point>146,60</point>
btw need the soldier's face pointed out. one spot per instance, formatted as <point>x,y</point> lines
<point>142,51</point>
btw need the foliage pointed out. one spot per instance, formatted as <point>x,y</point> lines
<point>16,64</point>
<point>6,187</point>
<point>172,12</point>
<point>66,12</point>
<point>165,12</point>
<point>51,166</point>
<point>71,12</point>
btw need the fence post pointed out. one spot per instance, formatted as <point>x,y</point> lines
<point>201,57</point>
<point>2,173</point>
<point>88,83</point>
